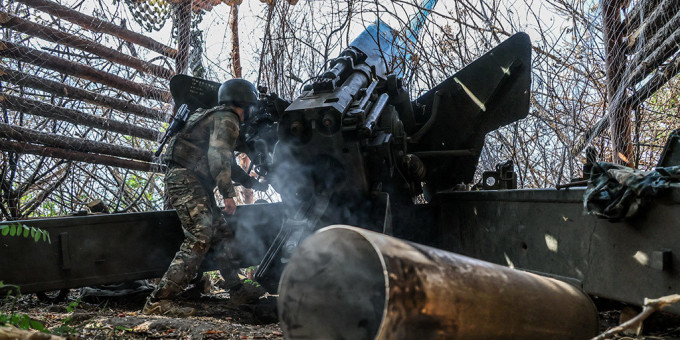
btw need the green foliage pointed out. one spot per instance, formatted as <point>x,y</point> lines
<point>65,328</point>
<point>251,282</point>
<point>72,306</point>
<point>135,182</point>
<point>49,209</point>
<point>9,289</point>
<point>15,229</point>
<point>148,195</point>
<point>21,321</point>
<point>250,272</point>
<point>26,198</point>
<point>212,275</point>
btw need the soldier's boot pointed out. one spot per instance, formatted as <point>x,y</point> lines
<point>167,308</point>
<point>241,292</point>
<point>246,294</point>
<point>199,285</point>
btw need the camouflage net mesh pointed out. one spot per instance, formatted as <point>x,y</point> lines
<point>50,129</point>
<point>151,14</point>
<point>642,88</point>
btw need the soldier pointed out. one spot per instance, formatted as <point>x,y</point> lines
<point>199,159</point>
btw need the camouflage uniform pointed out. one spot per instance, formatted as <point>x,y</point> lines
<point>199,158</point>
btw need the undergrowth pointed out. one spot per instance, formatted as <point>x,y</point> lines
<point>24,321</point>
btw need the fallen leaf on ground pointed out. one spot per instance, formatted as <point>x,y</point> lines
<point>142,327</point>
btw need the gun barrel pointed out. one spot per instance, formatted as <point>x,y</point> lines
<point>350,283</point>
<point>162,144</point>
<point>381,43</point>
<point>179,121</point>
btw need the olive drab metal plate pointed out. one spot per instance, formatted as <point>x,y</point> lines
<point>110,248</point>
<point>195,92</point>
<point>671,152</point>
<point>490,92</point>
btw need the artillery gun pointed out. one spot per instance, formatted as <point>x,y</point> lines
<point>354,148</point>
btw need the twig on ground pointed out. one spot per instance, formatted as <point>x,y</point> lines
<point>650,306</point>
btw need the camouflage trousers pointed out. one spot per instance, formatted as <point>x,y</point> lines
<point>204,227</point>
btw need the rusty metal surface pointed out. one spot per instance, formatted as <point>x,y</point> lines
<point>101,249</point>
<point>545,231</point>
<point>350,283</point>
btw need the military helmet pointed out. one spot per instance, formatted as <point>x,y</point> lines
<point>238,91</point>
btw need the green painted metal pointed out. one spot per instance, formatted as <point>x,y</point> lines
<point>546,231</point>
<point>542,231</point>
<point>102,249</point>
<point>89,250</point>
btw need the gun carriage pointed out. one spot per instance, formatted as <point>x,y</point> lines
<point>354,148</point>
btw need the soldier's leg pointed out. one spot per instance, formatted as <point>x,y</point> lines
<point>226,251</point>
<point>193,205</point>
<point>229,253</point>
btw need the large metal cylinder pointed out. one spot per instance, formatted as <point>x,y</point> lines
<point>349,283</point>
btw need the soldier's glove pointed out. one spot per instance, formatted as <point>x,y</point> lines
<point>259,185</point>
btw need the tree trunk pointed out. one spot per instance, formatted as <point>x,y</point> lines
<point>235,47</point>
<point>101,26</point>
<point>50,34</point>
<point>46,60</point>
<point>655,51</point>
<point>37,108</point>
<point>26,148</point>
<point>247,195</point>
<point>63,90</point>
<point>76,144</point>
<point>619,114</point>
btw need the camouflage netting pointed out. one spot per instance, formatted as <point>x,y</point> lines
<point>617,191</point>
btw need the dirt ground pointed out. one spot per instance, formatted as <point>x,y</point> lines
<point>120,318</point>
<point>658,326</point>
<point>218,318</point>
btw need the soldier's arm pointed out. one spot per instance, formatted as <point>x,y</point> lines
<point>220,151</point>
<point>239,175</point>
